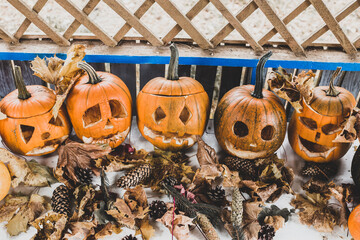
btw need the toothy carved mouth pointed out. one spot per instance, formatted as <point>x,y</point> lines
<point>243,153</point>
<point>113,138</point>
<point>314,150</point>
<point>187,139</point>
<point>49,146</point>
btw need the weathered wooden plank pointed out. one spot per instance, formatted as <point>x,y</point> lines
<point>26,23</point>
<point>7,81</point>
<point>230,78</point>
<point>184,70</point>
<point>184,23</point>
<point>76,24</point>
<point>241,16</point>
<point>351,82</point>
<point>237,25</point>
<point>7,37</point>
<point>280,26</point>
<point>150,71</point>
<point>28,73</point>
<point>135,22</point>
<point>138,13</point>
<point>334,26</point>
<point>206,76</point>
<point>200,5</point>
<point>324,28</point>
<point>357,42</point>
<point>39,22</point>
<point>86,21</point>
<point>299,9</point>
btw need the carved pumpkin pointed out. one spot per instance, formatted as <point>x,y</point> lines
<point>250,122</point>
<point>311,132</point>
<point>5,180</point>
<point>30,128</point>
<point>99,106</point>
<point>354,223</point>
<point>172,111</point>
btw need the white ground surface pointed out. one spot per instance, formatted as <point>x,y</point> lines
<point>209,21</point>
<point>293,229</point>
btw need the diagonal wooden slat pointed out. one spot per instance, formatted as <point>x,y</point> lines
<point>237,25</point>
<point>76,24</point>
<point>280,26</point>
<point>135,22</point>
<point>184,23</point>
<point>299,9</point>
<point>334,26</point>
<point>323,29</point>
<point>138,13</point>
<point>26,23</point>
<point>39,22</point>
<point>7,37</point>
<point>85,20</point>
<point>241,16</point>
<point>357,42</point>
<point>195,10</point>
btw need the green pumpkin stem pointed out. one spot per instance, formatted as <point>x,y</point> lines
<point>174,63</point>
<point>332,90</point>
<point>23,93</point>
<point>93,76</point>
<point>260,75</point>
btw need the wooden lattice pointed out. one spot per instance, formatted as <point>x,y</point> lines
<point>183,22</point>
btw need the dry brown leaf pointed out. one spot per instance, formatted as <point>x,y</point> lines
<point>27,213</point>
<point>11,206</point>
<point>30,173</point>
<point>351,128</point>
<point>251,226</point>
<point>81,230</point>
<point>74,154</point>
<point>180,226</point>
<point>276,221</point>
<point>50,226</point>
<point>206,155</point>
<point>145,229</point>
<point>122,213</point>
<point>136,199</point>
<point>314,211</point>
<point>47,72</point>
<point>60,98</point>
<point>305,85</point>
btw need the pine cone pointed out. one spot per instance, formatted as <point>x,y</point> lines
<point>84,175</point>
<point>134,177</point>
<point>60,201</point>
<point>129,237</point>
<point>319,171</point>
<point>217,194</point>
<point>266,232</point>
<point>157,209</point>
<point>171,181</point>
<point>245,167</point>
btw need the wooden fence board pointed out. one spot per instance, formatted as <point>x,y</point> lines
<point>206,76</point>
<point>230,78</point>
<point>7,37</point>
<point>7,84</point>
<point>28,74</point>
<point>184,70</point>
<point>150,71</point>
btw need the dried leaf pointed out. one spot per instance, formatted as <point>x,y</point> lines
<point>27,213</point>
<point>84,197</point>
<point>181,225</point>
<point>305,85</point>
<point>11,206</point>
<point>47,72</point>
<point>81,230</point>
<point>206,155</point>
<point>351,128</point>
<point>251,225</point>
<point>122,213</point>
<point>276,221</point>
<point>136,199</point>
<point>146,230</point>
<point>206,226</point>
<point>60,98</point>
<point>50,226</point>
<point>30,173</point>
<point>74,154</point>
<point>107,230</point>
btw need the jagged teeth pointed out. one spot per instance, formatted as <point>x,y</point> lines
<point>178,140</point>
<point>119,135</point>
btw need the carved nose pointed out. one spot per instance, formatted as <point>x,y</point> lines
<point>108,125</point>
<point>317,137</point>
<point>45,135</point>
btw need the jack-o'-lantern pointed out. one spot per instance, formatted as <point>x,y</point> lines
<point>250,122</point>
<point>354,223</point>
<point>312,131</point>
<point>30,127</point>
<point>172,111</point>
<point>99,106</point>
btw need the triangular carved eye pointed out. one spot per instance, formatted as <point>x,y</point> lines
<point>117,109</point>
<point>92,115</point>
<point>185,115</point>
<point>57,122</point>
<point>27,132</point>
<point>159,115</point>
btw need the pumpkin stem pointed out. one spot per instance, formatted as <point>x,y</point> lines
<point>332,90</point>
<point>93,76</point>
<point>174,63</point>
<point>260,75</point>
<point>23,93</point>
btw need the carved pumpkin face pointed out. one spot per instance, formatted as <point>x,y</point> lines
<point>172,111</point>
<point>100,108</point>
<point>250,122</point>
<point>30,128</point>
<point>312,131</point>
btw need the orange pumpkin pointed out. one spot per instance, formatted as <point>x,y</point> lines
<point>172,111</point>
<point>99,106</point>
<point>311,132</point>
<point>5,180</point>
<point>354,223</point>
<point>30,128</point>
<point>250,122</point>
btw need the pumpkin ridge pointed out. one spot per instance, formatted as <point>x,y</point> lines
<point>122,89</point>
